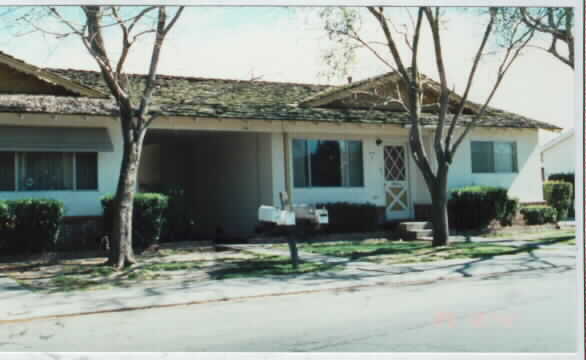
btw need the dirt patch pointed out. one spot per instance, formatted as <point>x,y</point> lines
<point>174,261</point>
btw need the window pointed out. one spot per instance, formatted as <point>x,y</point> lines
<point>86,171</point>
<point>327,163</point>
<point>6,171</point>
<point>494,157</point>
<point>34,171</point>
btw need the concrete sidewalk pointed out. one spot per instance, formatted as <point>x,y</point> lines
<point>18,304</point>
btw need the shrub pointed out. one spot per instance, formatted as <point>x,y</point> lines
<point>30,225</point>
<point>6,224</point>
<point>147,217</point>
<point>558,194</point>
<point>509,211</point>
<point>179,216</point>
<point>347,217</point>
<point>474,207</point>
<point>567,177</point>
<point>538,214</point>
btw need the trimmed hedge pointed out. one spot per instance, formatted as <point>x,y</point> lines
<point>567,177</point>
<point>538,214</point>
<point>30,225</point>
<point>179,216</point>
<point>474,207</point>
<point>559,193</point>
<point>147,218</point>
<point>345,217</point>
<point>510,210</point>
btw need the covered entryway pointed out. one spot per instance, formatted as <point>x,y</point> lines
<point>396,181</point>
<point>224,175</point>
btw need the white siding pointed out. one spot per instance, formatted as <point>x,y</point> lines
<point>561,157</point>
<point>525,184</point>
<point>373,190</point>
<point>83,202</point>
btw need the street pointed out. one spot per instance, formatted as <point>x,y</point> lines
<point>532,311</point>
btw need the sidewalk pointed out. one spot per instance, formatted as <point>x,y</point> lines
<point>20,304</point>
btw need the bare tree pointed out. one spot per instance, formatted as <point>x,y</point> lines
<point>343,27</point>
<point>135,113</point>
<point>556,24</point>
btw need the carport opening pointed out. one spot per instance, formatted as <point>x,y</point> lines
<point>219,178</point>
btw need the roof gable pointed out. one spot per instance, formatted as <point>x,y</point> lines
<point>374,92</point>
<point>20,77</point>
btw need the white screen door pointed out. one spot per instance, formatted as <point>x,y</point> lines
<point>396,182</point>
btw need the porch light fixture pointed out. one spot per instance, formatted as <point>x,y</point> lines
<point>378,142</point>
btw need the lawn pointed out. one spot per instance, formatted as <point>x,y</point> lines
<point>401,252</point>
<point>272,265</point>
<point>169,265</point>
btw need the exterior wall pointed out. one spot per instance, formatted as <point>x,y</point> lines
<point>525,184</point>
<point>373,191</point>
<point>149,172</point>
<point>80,202</point>
<point>239,165</point>
<point>561,157</point>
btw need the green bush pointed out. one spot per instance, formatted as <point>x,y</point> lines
<point>558,194</point>
<point>347,217</point>
<point>30,225</point>
<point>567,177</point>
<point>179,216</point>
<point>147,217</point>
<point>509,211</point>
<point>474,207</point>
<point>538,214</point>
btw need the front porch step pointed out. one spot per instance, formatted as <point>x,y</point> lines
<point>415,230</point>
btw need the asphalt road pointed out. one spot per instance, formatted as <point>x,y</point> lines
<point>521,312</point>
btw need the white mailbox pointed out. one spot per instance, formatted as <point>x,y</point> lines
<point>268,214</point>
<point>286,218</point>
<point>274,215</point>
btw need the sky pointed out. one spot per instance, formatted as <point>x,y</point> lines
<point>288,44</point>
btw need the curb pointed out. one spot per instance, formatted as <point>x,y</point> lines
<point>248,297</point>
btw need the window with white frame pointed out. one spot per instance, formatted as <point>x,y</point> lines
<point>494,157</point>
<point>327,163</point>
<point>35,171</point>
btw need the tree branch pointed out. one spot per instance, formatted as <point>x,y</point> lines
<point>464,99</point>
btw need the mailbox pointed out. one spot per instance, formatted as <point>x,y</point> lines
<point>268,214</point>
<point>276,216</point>
<point>271,214</point>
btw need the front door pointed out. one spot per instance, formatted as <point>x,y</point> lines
<point>396,182</point>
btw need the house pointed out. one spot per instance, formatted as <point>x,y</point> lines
<point>234,145</point>
<point>559,154</point>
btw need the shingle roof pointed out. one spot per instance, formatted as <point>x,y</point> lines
<point>222,98</point>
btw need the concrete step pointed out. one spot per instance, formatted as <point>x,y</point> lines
<point>416,234</point>
<point>414,225</point>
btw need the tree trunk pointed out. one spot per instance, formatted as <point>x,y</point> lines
<point>439,204</point>
<point>121,248</point>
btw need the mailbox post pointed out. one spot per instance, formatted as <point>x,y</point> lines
<point>286,206</point>
<point>290,217</point>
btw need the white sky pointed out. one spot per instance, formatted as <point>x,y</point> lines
<point>286,44</point>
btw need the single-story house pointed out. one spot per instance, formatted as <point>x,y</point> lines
<point>559,154</point>
<point>234,145</point>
